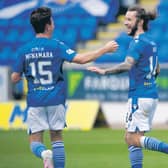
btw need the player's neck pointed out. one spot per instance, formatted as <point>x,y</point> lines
<point>43,35</point>
<point>138,32</point>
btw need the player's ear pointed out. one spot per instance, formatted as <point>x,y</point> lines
<point>141,22</point>
<point>47,27</point>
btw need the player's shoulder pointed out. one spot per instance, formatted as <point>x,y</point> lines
<point>146,39</point>
<point>143,40</point>
<point>58,42</point>
<point>27,45</point>
<point>52,43</point>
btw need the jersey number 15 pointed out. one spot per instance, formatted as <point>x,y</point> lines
<point>40,74</point>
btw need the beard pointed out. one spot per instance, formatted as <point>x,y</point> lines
<point>134,29</point>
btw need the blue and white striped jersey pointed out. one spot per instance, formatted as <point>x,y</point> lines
<point>142,74</point>
<point>41,62</point>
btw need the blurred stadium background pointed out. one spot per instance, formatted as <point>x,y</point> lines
<point>94,101</point>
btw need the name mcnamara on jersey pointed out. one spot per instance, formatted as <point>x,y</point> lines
<point>47,54</point>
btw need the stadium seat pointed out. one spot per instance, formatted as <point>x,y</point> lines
<point>16,23</point>
<point>158,23</point>
<point>2,35</point>
<point>86,33</point>
<point>163,53</point>
<point>4,23</point>
<point>26,36</point>
<point>61,22</point>
<point>88,29</point>
<point>123,40</point>
<point>12,36</point>
<point>77,11</point>
<point>75,22</point>
<point>70,38</point>
<point>6,55</point>
<point>58,33</point>
<point>156,35</point>
<point>112,12</point>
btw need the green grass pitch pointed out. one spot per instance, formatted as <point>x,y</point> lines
<point>98,148</point>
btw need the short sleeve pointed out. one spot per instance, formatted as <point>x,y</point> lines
<point>66,53</point>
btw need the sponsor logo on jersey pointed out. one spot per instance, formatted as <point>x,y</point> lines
<point>70,51</point>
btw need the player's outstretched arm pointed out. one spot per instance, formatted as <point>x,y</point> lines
<point>122,67</point>
<point>92,55</point>
<point>157,70</point>
<point>97,70</point>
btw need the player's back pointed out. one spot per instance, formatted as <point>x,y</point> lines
<point>43,59</point>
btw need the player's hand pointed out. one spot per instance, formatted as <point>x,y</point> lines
<point>157,71</point>
<point>111,46</point>
<point>96,70</point>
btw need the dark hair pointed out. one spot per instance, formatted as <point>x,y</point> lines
<point>142,14</point>
<point>39,18</point>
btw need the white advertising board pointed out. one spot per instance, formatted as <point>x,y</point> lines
<point>114,113</point>
<point>4,84</point>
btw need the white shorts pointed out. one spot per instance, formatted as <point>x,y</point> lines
<point>46,118</point>
<point>140,114</point>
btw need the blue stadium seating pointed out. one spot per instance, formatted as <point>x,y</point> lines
<point>26,35</point>
<point>58,33</point>
<point>70,28</point>
<point>74,25</point>
<point>70,37</point>
<point>4,23</point>
<point>163,53</point>
<point>88,28</point>
<point>12,35</point>
<point>123,40</point>
<point>61,22</point>
<point>76,10</point>
<point>112,12</point>
<point>6,56</point>
<point>2,35</point>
